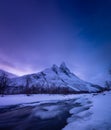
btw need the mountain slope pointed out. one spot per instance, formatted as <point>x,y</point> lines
<point>54,79</point>
<point>9,75</point>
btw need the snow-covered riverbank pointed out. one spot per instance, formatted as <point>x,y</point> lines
<point>97,117</point>
<point>19,99</point>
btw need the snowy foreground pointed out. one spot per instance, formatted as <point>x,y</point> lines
<point>98,117</point>
<point>84,112</point>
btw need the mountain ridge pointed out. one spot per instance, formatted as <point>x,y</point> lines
<point>54,78</point>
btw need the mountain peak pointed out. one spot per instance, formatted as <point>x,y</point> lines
<point>55,68</point>
<point>63,64</point>
<point>64,68</point>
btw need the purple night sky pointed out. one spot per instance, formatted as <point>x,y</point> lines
<point>34,34</point>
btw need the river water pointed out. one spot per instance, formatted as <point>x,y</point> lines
<point>44,116</point>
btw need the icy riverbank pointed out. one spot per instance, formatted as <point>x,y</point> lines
<point>91,116</point>
<point>19,99</point>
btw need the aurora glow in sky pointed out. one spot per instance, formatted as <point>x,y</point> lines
<point>34,34</point>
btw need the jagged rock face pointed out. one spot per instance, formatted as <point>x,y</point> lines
<point>55,77</point>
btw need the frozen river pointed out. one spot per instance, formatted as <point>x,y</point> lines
<point>82,112</point>
<point>45,116</point>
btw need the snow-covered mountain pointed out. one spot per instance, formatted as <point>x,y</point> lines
<point>54,79</point>
<point>9,75</point>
